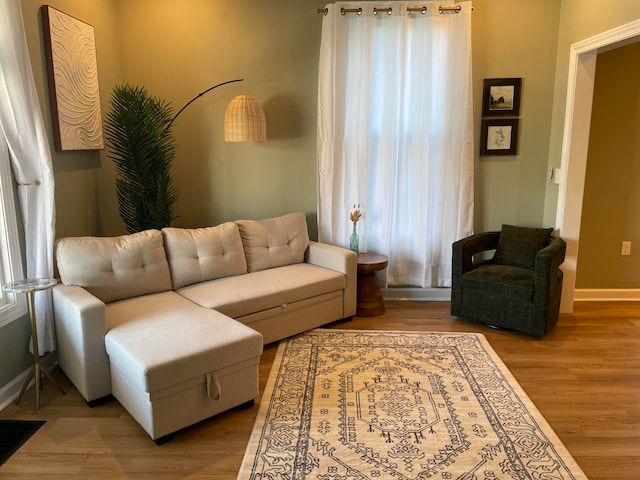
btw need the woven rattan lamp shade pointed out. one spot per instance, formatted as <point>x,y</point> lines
<point>244,121</point>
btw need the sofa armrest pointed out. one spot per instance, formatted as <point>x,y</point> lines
<point>81,325</point>
<point>341,260</point>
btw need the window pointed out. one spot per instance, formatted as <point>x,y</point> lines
<point>12,306</point>
<point>395,135</point>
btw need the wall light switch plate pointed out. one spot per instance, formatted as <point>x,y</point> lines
<point>626,248</point>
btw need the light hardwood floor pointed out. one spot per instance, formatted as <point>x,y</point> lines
<point>584,377</point>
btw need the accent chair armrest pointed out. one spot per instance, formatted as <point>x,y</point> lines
<point>552,256</point>
<point>81,325</point>
<point>463,251</point>
<point>465,248</point>
<point>341,260</point>
<point>548,278</point>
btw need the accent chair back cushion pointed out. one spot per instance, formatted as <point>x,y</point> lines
<point>518,246</point>
<point>274,242</point>
<point>201,254</point>
<point>115,268</point>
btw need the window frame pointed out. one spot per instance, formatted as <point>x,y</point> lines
<point>12,306</point>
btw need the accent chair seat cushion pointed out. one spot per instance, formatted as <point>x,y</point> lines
<point>503,281</point>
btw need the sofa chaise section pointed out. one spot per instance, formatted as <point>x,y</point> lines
<point>174,363</point>
<point>123,331</point>
<point>95,272</point>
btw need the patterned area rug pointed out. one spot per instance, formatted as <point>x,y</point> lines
<point>347,405</point>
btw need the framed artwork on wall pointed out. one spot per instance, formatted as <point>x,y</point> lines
<point>74,92</point>
<point>501,97</point>
<point>499,136</point>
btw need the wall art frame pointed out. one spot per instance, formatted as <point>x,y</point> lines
<point>501,97</point>
<point>499,136</point>
<point>74,90</point>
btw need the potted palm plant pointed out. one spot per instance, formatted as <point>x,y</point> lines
<point>142,148</point>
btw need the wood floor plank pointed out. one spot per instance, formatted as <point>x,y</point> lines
<point>584,377</point>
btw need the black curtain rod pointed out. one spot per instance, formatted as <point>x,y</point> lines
<point>389,10</point>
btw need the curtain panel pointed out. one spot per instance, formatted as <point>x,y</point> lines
<point>23,127</point>
<point>395,133</point>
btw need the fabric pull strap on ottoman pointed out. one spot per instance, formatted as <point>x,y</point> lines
<point>171,371</point>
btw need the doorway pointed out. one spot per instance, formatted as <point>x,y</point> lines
<point>582,67</point>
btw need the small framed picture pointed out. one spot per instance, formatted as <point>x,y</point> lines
<point>499,136</point>
<point>501,97</point>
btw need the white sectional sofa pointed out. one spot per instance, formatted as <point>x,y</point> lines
<point>172,322</point>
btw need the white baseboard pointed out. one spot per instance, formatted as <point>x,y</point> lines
<point>417,294</point>
<point>11,390</point>
<point>444,294</point>
<point>606,294</point>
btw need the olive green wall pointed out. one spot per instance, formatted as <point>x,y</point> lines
<point>610,213</point>
<point>515,39</point>
<point>274,46</point>
<point>14,350</point>
<point>178,49</point>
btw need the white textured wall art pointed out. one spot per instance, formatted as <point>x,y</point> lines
<point>70,48</point>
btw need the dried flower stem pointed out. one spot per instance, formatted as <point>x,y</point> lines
<point>356,214</point>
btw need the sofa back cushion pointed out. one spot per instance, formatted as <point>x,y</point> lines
<point>200,254</point>
<point>115,268</point>
<point>274,242</point>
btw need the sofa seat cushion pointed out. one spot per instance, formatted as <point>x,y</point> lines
<point>502,281</point>
<point>200,254</point>
<point>274,242</point>
<point>253,292</point>
<point>115,268</point>
<point>162,339</point>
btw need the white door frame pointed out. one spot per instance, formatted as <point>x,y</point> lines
<point>575,142</point>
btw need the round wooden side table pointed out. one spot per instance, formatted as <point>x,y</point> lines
<point>30,286</point>
<point>370,303</point>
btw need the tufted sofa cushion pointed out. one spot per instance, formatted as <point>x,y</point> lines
<point>115,268</point>
<point>200,254</point>
<point>274,242</point>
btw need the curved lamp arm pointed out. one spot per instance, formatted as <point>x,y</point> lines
<point>198,96</point>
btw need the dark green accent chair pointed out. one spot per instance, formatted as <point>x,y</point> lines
<point>518,288</point>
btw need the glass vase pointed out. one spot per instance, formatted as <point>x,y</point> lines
<point>354,240</point>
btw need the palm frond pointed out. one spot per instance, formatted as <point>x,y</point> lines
<point>142,149</point>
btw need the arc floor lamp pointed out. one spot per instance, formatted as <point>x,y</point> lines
<point>244,119</point>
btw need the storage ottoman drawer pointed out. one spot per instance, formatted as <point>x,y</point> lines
<point>174,363</point>
<point>166,411</point>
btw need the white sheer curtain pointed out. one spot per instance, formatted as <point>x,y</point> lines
<point>22,125</point>
<point>395,134</point>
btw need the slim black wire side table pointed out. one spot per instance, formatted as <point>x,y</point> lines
<point>30,286</point>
